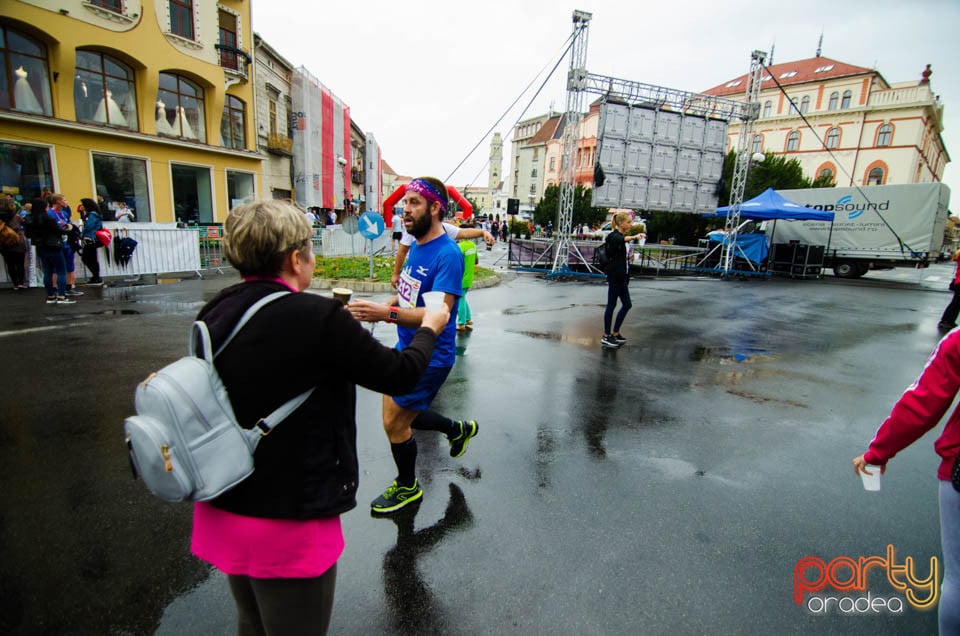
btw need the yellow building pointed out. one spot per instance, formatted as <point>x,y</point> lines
<point>149,102</point>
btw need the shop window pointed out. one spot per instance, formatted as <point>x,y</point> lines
<point>180,108</point>
<point>833,138</point>
<point>232,124</point>
<point>181,18</point>
<point>24,78</point>
<point>793,141</point>
<point>884,135</point>
<point>122,179</point>
<point>192,194</point>
<point>240,188</point>
<point>24,170</point>
<point>104,91</point>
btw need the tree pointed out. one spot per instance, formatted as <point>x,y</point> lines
<point>583,210</point>
<point>776,171</point>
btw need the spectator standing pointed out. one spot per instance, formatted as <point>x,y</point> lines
<point>917,411</point>
<point>46,232</point>
<point>277,535</point>
<point>14,254</point>
<point>71,240</point>
<point>92,223</point>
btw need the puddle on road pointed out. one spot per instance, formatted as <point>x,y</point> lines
<point>557,337</point>
<point>724,354</point>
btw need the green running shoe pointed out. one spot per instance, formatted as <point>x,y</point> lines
<point>396,497</point>
<point>458,444</point>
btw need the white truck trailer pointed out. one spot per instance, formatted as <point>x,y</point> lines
<point>874,227</point>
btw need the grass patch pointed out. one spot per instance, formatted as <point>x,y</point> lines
<point>358,268</point>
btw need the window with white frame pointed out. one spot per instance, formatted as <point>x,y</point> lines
<point>793,141</point>
<point>875,177</point>
<point>767,107</point>
<point>833,138</point>
<point>757,145</point>
<point>118,178</point>
<point>25,170</point>
<point>845,100</point>
<point>834,100</point>
<point>885,135</point>
<point>804,104</point>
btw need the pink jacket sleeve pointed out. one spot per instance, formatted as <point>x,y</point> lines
<point>923,405</point>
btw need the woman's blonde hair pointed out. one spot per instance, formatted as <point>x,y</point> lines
<point>620,217</point>
<point>259,235</point>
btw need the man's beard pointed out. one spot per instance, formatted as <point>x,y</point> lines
<point>421,225</point>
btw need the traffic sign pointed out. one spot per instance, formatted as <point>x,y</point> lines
<point>371,225</point>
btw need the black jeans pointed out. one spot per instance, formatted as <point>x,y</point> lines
<point>89,258</point>
<point>616,289</point>
<point>953,309</point>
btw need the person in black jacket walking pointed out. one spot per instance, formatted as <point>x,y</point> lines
<point>618,276</point>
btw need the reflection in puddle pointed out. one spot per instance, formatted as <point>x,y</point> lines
<point>725,354</point>
<point>558,337</point>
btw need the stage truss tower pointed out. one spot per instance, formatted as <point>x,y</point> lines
<point>742,166</point>
<point>576,84</point>
<point>579,81</point>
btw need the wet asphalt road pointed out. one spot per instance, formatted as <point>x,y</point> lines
<point>669,487</point>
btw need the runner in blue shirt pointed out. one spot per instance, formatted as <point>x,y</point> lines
<point>435,263</point>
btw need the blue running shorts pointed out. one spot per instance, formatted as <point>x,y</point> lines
<point>422,395</point>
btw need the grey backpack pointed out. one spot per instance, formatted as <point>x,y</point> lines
<point>185,442</point>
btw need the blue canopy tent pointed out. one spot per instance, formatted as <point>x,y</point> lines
<point>767,206</point>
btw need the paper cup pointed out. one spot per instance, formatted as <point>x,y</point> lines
<point>871,482</point>
<point>433,300</point>
<point>342,294</point>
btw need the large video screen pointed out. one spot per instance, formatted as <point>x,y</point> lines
<point>659,159</point>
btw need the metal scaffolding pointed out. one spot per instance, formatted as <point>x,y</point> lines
<point>579,81</point>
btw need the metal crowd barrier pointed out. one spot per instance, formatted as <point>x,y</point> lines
<point>168,249</point>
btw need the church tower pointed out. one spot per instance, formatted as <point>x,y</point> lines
<point>496,163</point>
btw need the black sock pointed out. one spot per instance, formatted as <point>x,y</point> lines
<point>405,457</point>
<point>432,421</point>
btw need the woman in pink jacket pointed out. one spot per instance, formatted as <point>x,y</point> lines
<point>918,410</point>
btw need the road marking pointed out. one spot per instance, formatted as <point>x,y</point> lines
<point>36,329</point>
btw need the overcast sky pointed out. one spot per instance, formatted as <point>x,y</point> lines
<point>429,78</point>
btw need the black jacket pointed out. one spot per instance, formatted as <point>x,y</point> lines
<point>617,251</point>
<point>44,231</point>
<point>307,467</point>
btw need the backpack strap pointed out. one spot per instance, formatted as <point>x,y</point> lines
<point>266,300</point>
<point>265,424</point>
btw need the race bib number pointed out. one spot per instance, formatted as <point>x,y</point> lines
<point>408,290</point>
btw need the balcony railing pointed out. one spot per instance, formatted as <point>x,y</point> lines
<point>233,59</point>
<point>279,144</point>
